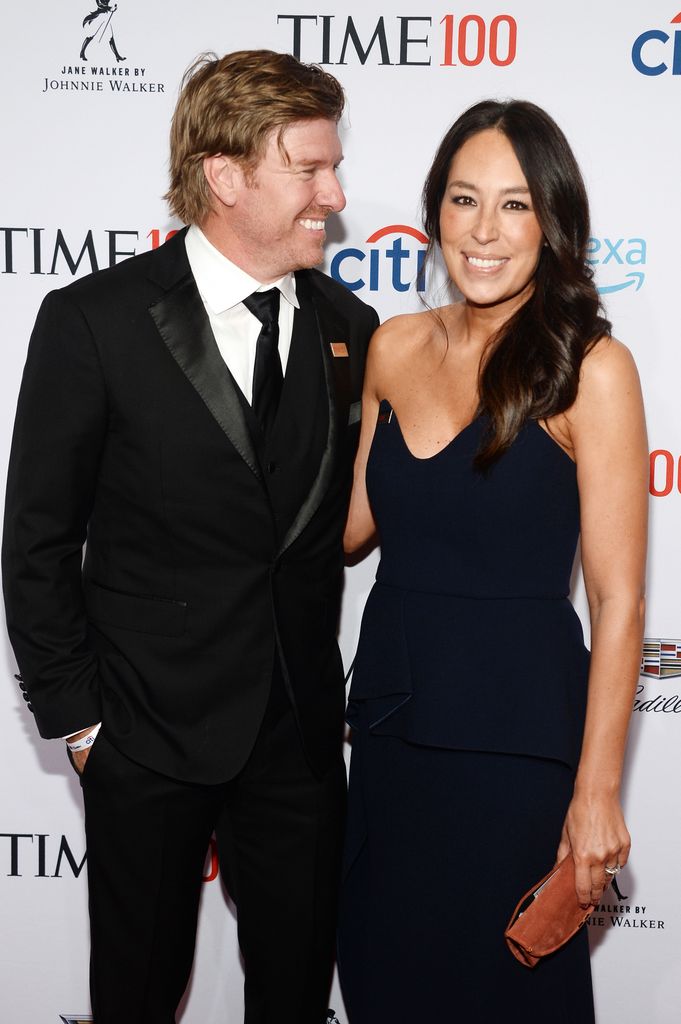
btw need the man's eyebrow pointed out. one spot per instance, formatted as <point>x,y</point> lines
<point>304,162</point>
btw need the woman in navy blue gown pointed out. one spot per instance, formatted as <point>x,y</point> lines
<point>487,744</point>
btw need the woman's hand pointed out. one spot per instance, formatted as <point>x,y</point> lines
<point>595,833</point>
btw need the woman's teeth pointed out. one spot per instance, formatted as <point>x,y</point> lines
<point>477,262</point>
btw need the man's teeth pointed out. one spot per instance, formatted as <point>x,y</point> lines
<point>477,262</point>
<point>312,225</point>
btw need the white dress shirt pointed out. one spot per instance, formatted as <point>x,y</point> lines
<point>223,286</point>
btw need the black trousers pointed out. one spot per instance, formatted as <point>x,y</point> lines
<point>279,831</point>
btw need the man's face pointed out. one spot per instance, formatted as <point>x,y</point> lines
<point>279,215</point>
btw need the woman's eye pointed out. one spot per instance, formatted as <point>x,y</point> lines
<point>463,200</point>
<point>516,204</point>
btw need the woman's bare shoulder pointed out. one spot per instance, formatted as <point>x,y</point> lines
<point>608,369</point>
<point>393,349</point>
<point>403,330</point>
<point>402,337</point>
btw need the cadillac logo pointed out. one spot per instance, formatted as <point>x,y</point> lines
<point>661,659</point>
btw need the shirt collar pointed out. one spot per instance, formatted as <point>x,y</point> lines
<point>221,283</point>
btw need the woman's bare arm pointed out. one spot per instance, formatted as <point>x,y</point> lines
<point>607,432</point>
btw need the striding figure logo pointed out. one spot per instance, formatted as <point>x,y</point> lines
<point>99,28</point>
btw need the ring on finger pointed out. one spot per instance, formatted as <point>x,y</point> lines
<point>613,871</point>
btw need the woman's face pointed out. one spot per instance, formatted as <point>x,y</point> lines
<point>490,236</point>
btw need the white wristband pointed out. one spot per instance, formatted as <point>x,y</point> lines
<point>85,742</point>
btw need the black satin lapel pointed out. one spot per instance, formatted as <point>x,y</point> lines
<point>330,327</point>
<point>182,322</point>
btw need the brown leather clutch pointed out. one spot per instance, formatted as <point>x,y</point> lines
<point>547,916</point>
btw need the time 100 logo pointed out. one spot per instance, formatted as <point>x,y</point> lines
<point>405,40</point>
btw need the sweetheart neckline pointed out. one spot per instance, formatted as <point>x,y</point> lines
<point>453,440</point>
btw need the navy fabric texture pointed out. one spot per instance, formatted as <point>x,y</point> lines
<point>467,706</point>
<point>469,640</point>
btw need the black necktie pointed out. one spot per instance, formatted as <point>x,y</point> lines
<point>267,376</point>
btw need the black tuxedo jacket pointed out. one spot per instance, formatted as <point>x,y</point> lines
<point>205,553</point>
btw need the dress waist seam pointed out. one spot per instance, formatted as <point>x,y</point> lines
<point>472,597</point>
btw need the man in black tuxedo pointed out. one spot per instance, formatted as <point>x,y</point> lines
<point>193,414</point>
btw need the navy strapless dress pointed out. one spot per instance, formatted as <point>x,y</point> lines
<point>467,707</point>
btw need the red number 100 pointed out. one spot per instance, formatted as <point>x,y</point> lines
<point>476,39</point>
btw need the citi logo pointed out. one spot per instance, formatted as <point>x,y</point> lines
<point>618,254</point>
<point>382,263</point>
<point>652,51</point>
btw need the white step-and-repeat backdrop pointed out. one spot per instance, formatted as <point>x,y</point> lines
<point>84,150</point>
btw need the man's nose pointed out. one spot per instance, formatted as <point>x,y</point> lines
<point>331,194</point>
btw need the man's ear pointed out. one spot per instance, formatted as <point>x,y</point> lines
<point>225,178</point>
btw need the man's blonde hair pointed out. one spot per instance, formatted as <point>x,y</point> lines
<point>230,105</point>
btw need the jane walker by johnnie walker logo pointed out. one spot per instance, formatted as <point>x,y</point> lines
<point>623,914</point>
<point>99,29</point>
<point>98,61</point>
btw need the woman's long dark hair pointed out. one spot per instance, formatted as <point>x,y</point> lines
<point>531,369</point>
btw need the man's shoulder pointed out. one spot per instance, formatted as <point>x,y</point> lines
<point>338,295</point>
<point>123,279</point>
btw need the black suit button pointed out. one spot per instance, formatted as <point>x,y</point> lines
<point>30,707</point>
<point>26,696</point>
<point>271,467</point>
<point>22,686</point>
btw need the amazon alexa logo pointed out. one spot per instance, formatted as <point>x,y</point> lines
<point>619,263</point>
<point>393,256</point>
